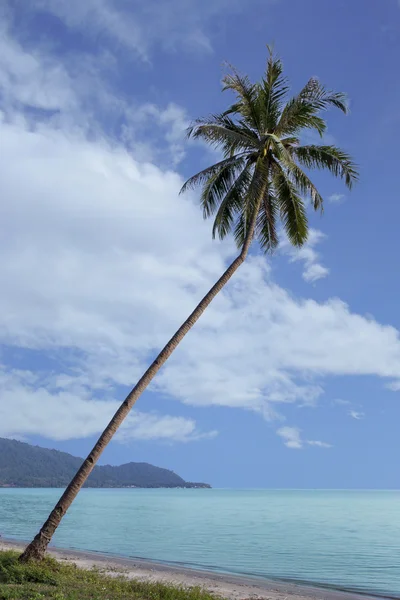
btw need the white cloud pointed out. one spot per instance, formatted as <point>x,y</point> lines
<point>42,408</point>
<point>102,260</point>
<point>313,269</point>
<point>152,426</point>
<point>101,257</point>
<point>74,96</point>
<point>337,198</point>
<point>394,386</point>
<point>29,80</point>
<point>356,415</point>
<point>319,444</point>
<point>170,122</point>
<point>341,402</point>
<point>141,27</point>
<point>292,439</point>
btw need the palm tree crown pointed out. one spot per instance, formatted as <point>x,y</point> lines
<point>261,178</point>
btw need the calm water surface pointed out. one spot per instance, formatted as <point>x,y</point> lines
<point>342,539</point>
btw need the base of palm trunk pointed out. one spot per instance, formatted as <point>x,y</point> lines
<point>36,549</point>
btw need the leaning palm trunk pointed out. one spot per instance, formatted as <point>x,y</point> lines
<point>259,181</point>
<point>37,548</point>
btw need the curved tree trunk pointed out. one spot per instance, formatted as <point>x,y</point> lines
<point>37,548</point>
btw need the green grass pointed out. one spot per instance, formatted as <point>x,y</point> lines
<point>51,580</point>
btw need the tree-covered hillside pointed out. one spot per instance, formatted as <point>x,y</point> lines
<point>23,465</point>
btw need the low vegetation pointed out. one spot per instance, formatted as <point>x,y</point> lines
<point>51,580</point>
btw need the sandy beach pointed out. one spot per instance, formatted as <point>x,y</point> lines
<point>233,587</point>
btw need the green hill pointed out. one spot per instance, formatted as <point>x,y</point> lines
<point>23,465</point>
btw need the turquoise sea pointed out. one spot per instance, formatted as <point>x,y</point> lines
<point>343,539</point>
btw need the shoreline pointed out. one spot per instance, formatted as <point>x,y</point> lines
<point>230,586</point>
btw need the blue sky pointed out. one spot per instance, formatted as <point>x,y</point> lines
<point>292,378</point>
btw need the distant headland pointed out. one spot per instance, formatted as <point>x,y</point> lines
<point>24,465</point>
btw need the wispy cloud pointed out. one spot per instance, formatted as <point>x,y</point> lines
<point>63,410</point>
<point>319,444</point>
<point>337,198</point>
<point>394,386</point>
<point>76,95</point>
<point>141,27</point>
<point>351,412</point>
<point>341,402</point>
<point>313,269</point>
<point>357,415</point>
<point>292,439</point>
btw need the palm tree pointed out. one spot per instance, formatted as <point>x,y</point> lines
<point>259,182</point>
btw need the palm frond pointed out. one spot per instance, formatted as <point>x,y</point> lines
<point>272,92</point>
<point>303,183</point>
<point>301,112</point>
<point>218,185</point>
<point>231,204</point>
<point>266,228</point>
<point>335,160</point>
<point>252,200</point>
<point>290,141</point>
<point>203,176</point>
<point>221,132</point>
<point>305,186</point>
<point>317,94</point>
<point>291,207</point>
<point>239,232</point>
<point>298,115</point>
<point>246,94</point>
